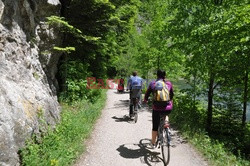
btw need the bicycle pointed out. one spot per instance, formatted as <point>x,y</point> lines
<point>133,108</point>
<point>134,102</point>
<point>164,139</point>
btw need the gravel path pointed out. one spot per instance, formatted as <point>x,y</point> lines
<point>118,141</point>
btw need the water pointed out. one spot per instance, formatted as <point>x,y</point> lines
<point>248,112</point>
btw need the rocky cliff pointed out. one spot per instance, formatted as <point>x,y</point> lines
<point>28,66</point>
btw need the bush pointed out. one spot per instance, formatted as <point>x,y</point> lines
<point>74,72</point>
<point>190,118</point>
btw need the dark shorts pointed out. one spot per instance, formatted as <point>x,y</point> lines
<point>156,118</point>
<point>135,93</point>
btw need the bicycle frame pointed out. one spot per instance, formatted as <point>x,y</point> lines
<point>133,108</point>
<point>134,102</point>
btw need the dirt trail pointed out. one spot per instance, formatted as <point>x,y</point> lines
<point>117,141</point>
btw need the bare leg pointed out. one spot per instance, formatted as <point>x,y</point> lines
<point>154,135</point>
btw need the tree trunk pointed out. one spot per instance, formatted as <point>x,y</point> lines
<point>245,99</point>
<point>210,102</point>
<point>194,92</point>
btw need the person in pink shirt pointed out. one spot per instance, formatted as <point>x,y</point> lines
<point>157,110</point>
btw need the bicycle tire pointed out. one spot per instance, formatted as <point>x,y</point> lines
<point>165,147</point>
<point>135,116</point>
<point>131,110</point>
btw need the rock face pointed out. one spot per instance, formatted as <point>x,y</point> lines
<point>28,101</point>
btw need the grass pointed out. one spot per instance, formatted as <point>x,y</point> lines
<point>214,151</point>
<point>64,144</point>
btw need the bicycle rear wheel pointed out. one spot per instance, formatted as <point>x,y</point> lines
<point>136,111</point>
<point>135,116</point>
<point>165,147</point>
<point>131,110</point>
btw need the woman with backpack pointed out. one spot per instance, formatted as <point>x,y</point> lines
<point>162,100</point>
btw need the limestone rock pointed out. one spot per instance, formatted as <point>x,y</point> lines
<point>27,73</point>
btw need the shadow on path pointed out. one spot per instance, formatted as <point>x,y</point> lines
<point>119,93</point>
<point>176,138</point>
<point>143,151</point>
<point>121,104</point>
<point>125,118</point>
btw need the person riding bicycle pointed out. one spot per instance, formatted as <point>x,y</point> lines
<point>134,85</point>
<point>159,109</point>
<point>120,86</point>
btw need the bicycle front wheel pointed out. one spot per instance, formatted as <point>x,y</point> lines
<point>165,147</point>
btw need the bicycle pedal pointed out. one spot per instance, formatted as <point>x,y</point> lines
<point>158,146</point>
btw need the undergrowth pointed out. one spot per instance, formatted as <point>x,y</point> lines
<point>64,144</point>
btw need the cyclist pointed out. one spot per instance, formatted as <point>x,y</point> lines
<point>120,86</point>
<point>157,110</point>
<point>134,85</point>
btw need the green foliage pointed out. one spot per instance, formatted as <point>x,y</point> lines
<point>206,44</point>
<point>67,28</point>
<point>92,19</point>
<point>75,73</point>
<point>187,112</point>
<point>64,144</point>
<point>214,150</point>
<point>190,119</point>
<point>214,40</point>
<point>66,49</point>
<point>124,38</point>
